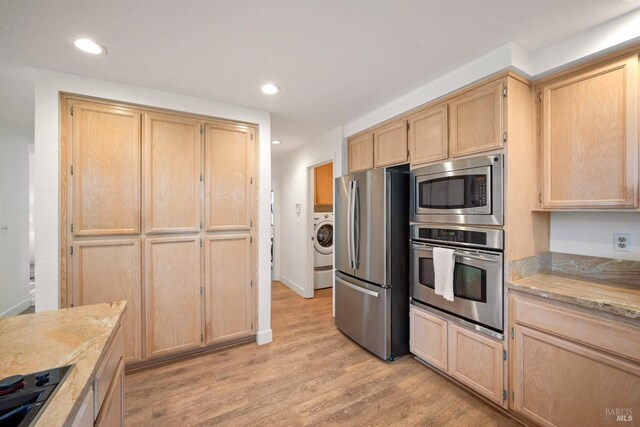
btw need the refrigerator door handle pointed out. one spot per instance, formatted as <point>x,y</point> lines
<point>356,226</point>
<point>350,226</point>
<point>358,288</point>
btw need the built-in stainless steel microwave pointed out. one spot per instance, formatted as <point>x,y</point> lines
<point>466,191</point>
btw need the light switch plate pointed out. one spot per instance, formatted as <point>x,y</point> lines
<point>622,242</point>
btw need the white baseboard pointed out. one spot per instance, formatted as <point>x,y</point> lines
<point>292,285</point>
<point>17,309</point>
<point>264,337</point>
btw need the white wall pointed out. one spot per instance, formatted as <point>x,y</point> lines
<point>295,236</point>
<point>47,88</point>
<point>14,220</point>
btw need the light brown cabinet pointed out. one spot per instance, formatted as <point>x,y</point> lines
<point>361,153</point>
<point>390,144</point>
<point>323,185</point>
<point>571,365</point>
<point>228,288</point>
<point>478,119</point>
<point>428,337</point>
<point>106,170</point>
<point>198,178</point>
<point>172,295</point>
<point>109,270</point>
<point>589,137</point>
<point>471,358</point>
<point>112,411</point>
<point>428,135</point>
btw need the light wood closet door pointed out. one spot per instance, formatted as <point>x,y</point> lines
<point>390,144</point>
<point>172,155</point>
<point>590,138</point>
<point>478,120</point>
<point>106,170</point>
<point>107,271</point>
<point>428,135</point>
<point>172,294</point>
<point>228,290</point>
<point>229,165</point>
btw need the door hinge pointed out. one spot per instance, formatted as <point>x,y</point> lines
<point>540,197</point>
<point>504,394</point>
<point>407,125</point>
<point>200,290</point>
<point>513,396</point>
<point>251,240</point>
<point>251,180</point>
<point>540,96</point>
<point>504,137</point>
<point>504,91</point>
<point>71,169</point>
<point>200,225</point>
<point>512,334</point>
<point>72,110</point>
<point>201,338</point>
<point>504,354</point>
<point>251,282</point>
<point>71,250</point>
<point>252,136</point>
<point>201,178</point>
<point>201,129</point>
<point>200,242</point>
<point>72,227</point>
<point>250,223</point>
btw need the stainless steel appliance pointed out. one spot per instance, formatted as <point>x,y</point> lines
<point>478,274</point>
<point>467,191</point>
<point>372,260</point>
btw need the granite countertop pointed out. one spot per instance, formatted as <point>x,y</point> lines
<point>40,341</point>
<point>607,297</point>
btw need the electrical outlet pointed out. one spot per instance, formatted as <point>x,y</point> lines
<point>622,242</point>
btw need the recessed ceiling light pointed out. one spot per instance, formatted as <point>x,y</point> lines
<point>275,142</point>
<point>270,89</point>
<point>89,46</point>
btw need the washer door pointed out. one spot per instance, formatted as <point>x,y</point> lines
<point>324,238</point>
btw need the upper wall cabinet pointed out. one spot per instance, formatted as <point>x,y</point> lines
<point>589,137</point>
<point>390,144</point>
<point>361,153</point>
<point>428,135</point>
<point>478,120</point>
<point>106,170</point>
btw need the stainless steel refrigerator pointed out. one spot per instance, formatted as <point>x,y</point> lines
<point>372,260</point>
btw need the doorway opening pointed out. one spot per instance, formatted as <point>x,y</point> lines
<point>321,221</point>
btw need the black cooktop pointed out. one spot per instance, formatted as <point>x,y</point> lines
<point>23,397</point>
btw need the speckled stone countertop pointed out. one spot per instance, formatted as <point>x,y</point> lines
<point>40,341</point>
<point>607,297</point>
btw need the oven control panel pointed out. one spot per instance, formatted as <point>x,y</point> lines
<point>465,236</point>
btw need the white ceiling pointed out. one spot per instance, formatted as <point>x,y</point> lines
<point>335,60</point>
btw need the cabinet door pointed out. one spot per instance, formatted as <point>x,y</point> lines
<point>590,138</point>
<point>390,144</point>
<point>476,361</point>
<point>560,383</point>
<point>361,153</point>
<point>229,164</point>
<point>112,411</point>
<point>428,135</point>
<point>106,271</point>
<point>173,305</point>
<point>106,170</point>
<point>228,290</point>
<point>478,120</point>
<point>428,338</point>
<point>172,173</point>
<point>323,183</point>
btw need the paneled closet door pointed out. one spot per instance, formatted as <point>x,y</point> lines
<point>172,295</point>
<point>173,166</point>
<point>228,167</point>
<point>228,293</point>
<point>106,170</point>
<point>109,270</point>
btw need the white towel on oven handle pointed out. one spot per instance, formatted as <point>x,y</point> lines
<point>443,265</point>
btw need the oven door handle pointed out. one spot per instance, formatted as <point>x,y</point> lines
<point>456,253</point>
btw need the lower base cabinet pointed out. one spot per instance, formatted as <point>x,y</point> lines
<point>112,411</point>
<point>471,358</point>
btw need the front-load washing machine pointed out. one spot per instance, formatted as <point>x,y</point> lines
<point>323,250</point>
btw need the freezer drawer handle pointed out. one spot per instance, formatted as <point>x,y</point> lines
<point>358,288</point>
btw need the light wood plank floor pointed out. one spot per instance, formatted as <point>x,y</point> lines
<point>310,374</point>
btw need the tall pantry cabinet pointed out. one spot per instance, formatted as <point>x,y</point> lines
<point>158,209</point>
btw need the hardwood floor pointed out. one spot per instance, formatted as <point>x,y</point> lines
<point>311,374</point>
